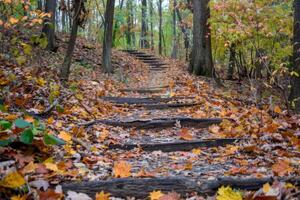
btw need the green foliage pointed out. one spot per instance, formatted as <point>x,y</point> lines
<point>31,132</point>
<point>52,140</point>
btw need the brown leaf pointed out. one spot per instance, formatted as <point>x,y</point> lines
<point>185,134</point>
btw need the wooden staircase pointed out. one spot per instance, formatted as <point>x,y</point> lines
<point>154,63</point>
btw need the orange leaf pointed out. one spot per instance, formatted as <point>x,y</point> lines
<point>185,134</point>
<point>277,110</point>
<point>102,196</point>
<point>65,136</point>
<point>155,195</point>
<point>282,168</point>
<point>122,169</point>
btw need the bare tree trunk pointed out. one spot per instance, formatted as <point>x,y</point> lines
<point>151,25</point>
<point>108,31</point>
<point>160,27</point>
<point>65,69</point>
<point>231,63</point>
<point>174,51</point>
<point>185,34</point>
<point>129,20</point>
<point>63,21</point>
<point>116,27</point>
<point>295,90</point>
<point>49,24</point>
<point>201,57</point>
<point>144,42</point>
<point>40,5</point>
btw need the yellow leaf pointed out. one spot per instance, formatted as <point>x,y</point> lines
<point>24,197</point>
<point>41,81</point>
<point>65,136</point>
<point>13,180</point>
<point>29,168</point>
<point>155,195</point>
<point>21,60</point>
<point>122,169</point>
<point>196,151</point>
<point>102,196</point>
<point>51,166</point>
<point>226,193</point>
<point>266,188</point>
<point>277,110</point>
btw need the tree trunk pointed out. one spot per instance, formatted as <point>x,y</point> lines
<point>65,70</point>
<point>63,21</point>
<point>160,27</point>
<point>144,42</point>
<point>151,26</point>
<point>201,57</point>
<point>174,50</point>
<point>185,33</point>
<point>116,27</point>
<point>49,24</point>
<point>129,19</point>
<point>231,63</point>
<point>40,5</point>
<point>108,30</point>
<point>295,90</point>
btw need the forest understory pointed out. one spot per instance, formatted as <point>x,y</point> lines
<point>141,132</point>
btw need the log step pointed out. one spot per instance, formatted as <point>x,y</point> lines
<point>145,56</point>
<point>146,100</point>
<point>141,187</point>
<point>167,106</point>
<point>159,122</point>
<point>141,90</point>
<point>176,146</point>
<point>148,59</point>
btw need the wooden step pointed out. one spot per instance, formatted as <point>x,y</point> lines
<point>159,122</point>
<point>149,58</point>
<point>141,187</point>
<point>145,100</point>
<point>177,145</point>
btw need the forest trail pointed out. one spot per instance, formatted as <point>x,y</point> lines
<point>174,147</point>
<point>151,130</point>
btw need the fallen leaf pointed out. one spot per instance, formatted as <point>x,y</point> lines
<point>39,184</point>
<point>266,188</point>
<point>155,195</point>
<point>102,196</point>
<point>170,196</point>
<point>13,180</point>
<point>51,166</point>
<point>277,110</point>
<point>65,136</point>
<point>29,168</point>
<point>19,197</point>
<point>77,196</point>
<point>227,193</point>
<point>196,151</point>
<point>282,168</point>
<point>185,134</point>
<point>50,195</point>
<point>122,169</point>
